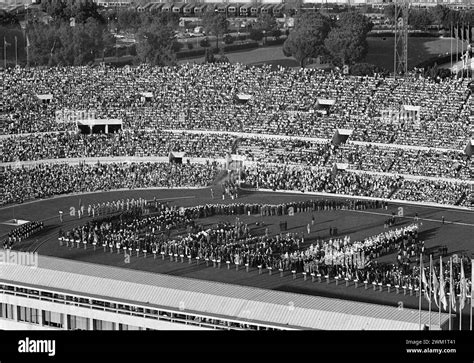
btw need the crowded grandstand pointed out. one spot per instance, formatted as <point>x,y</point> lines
<point>249,129</point>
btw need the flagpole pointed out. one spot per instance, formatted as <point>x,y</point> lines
<point>419,290</point>
<point>5,52</point>
<point>440,286</point>
<point>460,314</point>
<point>431,282</point>
<point>457,49</point>
<point>462,49</point>
<point>450,289</point>
<point>457,42</point>
<point>451,44</point>
<point>16,51</point>
<point>461,294</point>
<point>472,292</point>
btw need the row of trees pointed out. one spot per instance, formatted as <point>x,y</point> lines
<point>439,15</point>
<point>343,41</point>
<point>79,33</point>
<point>65,44</point>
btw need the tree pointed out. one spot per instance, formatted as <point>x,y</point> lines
<point>256,34</point>
<point>419,19</point>
<point>307,38</point>
<point>216,24</point>
<point>128,20</point>
<point>347,41</point>
<point>389,12</point>
<point>228,39</point>
<point>42,39</point>
<point>204,42</point>
<point>265,22</point>
<point>276,33</point>
<point>366,69</point>
<point>57,9</point>
<point>209,56</point>
<point>439,15</point>
<point>8,19</point>
<point>85,9</point>
<point>155,45</point>
<point>62,11</point>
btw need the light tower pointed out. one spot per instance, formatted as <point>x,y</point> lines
<point>400,59</point>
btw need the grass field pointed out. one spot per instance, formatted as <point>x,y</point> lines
<point>457,233</point>
<point>380,53</point>
<point>419,49</point>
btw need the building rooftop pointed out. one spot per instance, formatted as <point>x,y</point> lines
<point>277,308</point>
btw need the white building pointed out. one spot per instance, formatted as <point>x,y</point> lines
<point>65,294</point>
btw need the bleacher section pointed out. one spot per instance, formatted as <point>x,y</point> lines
<point>289,117</point>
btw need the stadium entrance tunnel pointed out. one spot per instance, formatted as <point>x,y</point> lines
<point>106,126</point>
<point>45,98</point>
<point>341,136</point>
<point>242,98</point>
<point>323,106</point>
<point>176,157</point>
<point>469,148</point>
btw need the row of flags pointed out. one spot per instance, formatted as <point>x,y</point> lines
<point>463,31</point>
<point>437,287</point>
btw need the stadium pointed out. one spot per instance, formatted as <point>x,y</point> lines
<point>222,196</point>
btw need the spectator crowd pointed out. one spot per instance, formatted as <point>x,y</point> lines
<point>47,180</point>
<point>282,101</point>
<point>151,101</point>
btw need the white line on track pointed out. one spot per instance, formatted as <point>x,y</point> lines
<point>190,197</point>
<point>421,219</point>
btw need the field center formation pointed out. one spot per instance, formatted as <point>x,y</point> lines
<point>238,166</point>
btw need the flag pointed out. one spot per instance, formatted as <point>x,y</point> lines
<point>424,280</point>
<point>472,282</point>
<point>452,297</point>
<point>442,286</point>
<point>435,284</point>
<point>463,288</point>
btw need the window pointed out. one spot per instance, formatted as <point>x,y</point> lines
<point>6,311</point>
<point>28,315</point>
<point>51,318</point>
<point>102,325</point>
<point>21,311</point>
<point>77,322</point>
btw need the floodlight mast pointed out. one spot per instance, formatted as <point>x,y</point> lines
<point>400,59</point>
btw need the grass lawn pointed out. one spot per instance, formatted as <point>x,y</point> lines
<point>268,55</point>
<point>380,53</point>
<point>419,49</point>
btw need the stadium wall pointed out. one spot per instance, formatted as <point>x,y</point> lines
<point>83,313</point>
